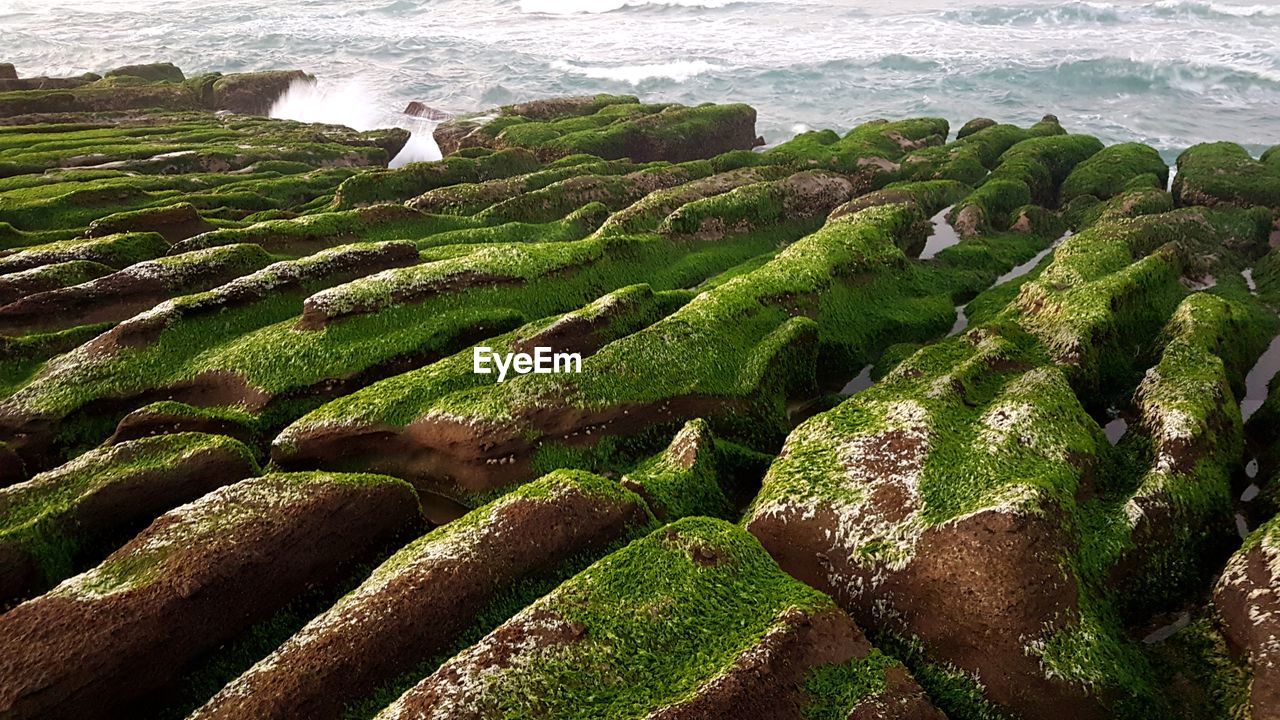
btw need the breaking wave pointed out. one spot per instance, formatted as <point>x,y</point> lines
<point>1082,12</point>
<point>677,71</point>
<point>349,103</point>
<point>574,7</point>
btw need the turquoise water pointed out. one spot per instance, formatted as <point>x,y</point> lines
<point>1167,72</point>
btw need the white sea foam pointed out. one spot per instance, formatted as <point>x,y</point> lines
<point>1220,8</point>
<point>573,7</point>
<point>354,105</point>
<point>348,103</point>
<point>679,70</point>
<point>1171,73</point>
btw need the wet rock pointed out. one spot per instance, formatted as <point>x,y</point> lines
<point>975,584</point>
<point>105,638</point>
<point>1248,602</point>
<point>868,153</point>
<point>118,251</point>
<point>175,222</point>
<point>738,640</point>
<point>255,93</point>
<point>418,604</point>
<point>125,293</point>
<point>154,72</point>
<point>420,110</point>
<point>1030,171</point>
<point>616,192</point>
<point>469,198</point>
<point>1188,410</point>
<point>461,452</point>
<point>404,183</point>
<point>33,424</point>
<point>1114,169</point>
<point>621,129</point>
<point>48,277</point>
<point>684,479</point>
<point>1225,174</point>
<point>63,520</point>
<point>974,126</point>
<point>567,107</point>
<point>170,418</point>
<point>806,194</point>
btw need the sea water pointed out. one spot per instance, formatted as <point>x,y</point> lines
<point>1170,73</point>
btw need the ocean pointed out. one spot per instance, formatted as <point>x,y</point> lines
<point>1170,73</point>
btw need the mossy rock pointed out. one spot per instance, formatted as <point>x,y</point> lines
<point>1225,174</point>
<point>590,649</point>
<point>154,72</point>
<point>1115,169</point>
<point>67,519</point>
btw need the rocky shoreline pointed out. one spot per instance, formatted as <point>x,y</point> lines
<point>837,448</point>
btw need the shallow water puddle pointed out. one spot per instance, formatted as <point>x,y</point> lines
<point>962,322</point>
<point>440,510</point>
<point>800,410</point>
<point>1259,378</point>
<point>942,237</point>
<point>1165,632</point>
<point>1030,265</point>
<point>859,383</point>
<point>1208,282</point>
<point>1116,430</point>
<point>962,317</point>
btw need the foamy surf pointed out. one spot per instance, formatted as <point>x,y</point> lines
<point>348,103</point>
<point>353,104</point>
<point>676,71</point>
<point>1172,73</point>
<point>574,7</point>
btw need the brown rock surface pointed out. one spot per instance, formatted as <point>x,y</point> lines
<point>198,577</point>
<point>418,604</point>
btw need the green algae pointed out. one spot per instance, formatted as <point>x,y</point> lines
<point>188,326</point>
<point>399,399</point>
<point>309,233</point>
<point>835,690</point>
<point>509,599</point>
<point>218,514</point>
<point>38,517</point>
<point>1113,169</point>
<point>1002,428</point>
<point>623,664</point>
<point>1030,171</point>
<point>57,275</point>
<point>469,198</point>
<point>967,159</point>
<point>1225,173</point>
<point>859,148</point>
<point>641,132</point>
<point>117,251</point>
<point>412,180</point>
<point>688,353</point>
<point>575,226</point>
<point>682,480</point>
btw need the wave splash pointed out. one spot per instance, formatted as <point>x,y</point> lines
<point>353,104</point>
<point>349,103</point>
